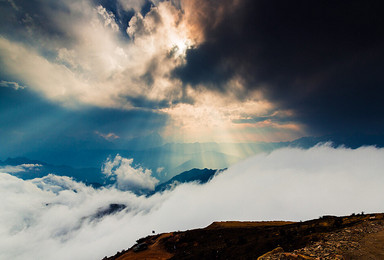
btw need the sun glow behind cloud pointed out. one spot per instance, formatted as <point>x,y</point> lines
<point>218,118</point>
<point>94,65</point>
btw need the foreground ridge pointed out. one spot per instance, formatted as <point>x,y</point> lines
<point>350,237</point>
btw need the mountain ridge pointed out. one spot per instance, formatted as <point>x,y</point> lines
<point>94,177</point>
<point>175,158</point>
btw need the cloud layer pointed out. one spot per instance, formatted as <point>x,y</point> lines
<point>129,177</point>
<point>193,55</point>
<point>55,217</point>
<point>75,53</point>
<point>138,55</point>
<point>19,168</point>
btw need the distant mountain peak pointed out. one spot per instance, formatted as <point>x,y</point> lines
<point>22,160</point>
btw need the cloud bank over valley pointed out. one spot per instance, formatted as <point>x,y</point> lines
<point>56,217</point>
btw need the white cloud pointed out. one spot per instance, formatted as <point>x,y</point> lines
<point>129,5</point>
<point>94,64</point>
<point>10,84</point>
<point>41,221</point>
<point>54,80</point>
<point>109,136</point>
<point>55,184</point>
<point>91,62</point>
<point>109,18</point>
<point>127,176</point>
<point>19,168</point>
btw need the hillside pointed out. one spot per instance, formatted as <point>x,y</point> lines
<point>329,237</point>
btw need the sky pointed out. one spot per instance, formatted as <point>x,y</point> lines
<point>95,73</point>
<point>139,88</point>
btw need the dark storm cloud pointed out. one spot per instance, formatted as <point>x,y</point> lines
<point>31,19</point>
<point>323,59</point>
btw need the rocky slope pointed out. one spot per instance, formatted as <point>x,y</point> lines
<point>351,237</point>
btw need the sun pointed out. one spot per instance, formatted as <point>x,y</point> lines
<point>179,46</point>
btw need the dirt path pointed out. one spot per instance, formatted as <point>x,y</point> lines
<point>155,251</point>
<point>371,247</point>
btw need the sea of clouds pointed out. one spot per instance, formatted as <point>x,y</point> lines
<point>57,218</point>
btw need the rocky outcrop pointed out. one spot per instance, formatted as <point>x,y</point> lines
<point>353,242</point>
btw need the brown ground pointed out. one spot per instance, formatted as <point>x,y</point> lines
<point>246,224</point>
<point>371,247</point>
<point>155,250</point>
<point>352,237</point>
